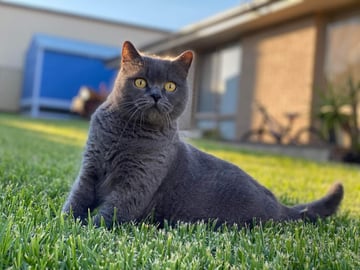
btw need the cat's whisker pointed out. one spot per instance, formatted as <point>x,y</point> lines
<point>167,120</point>
<point>132,114</point>
<point>167,106</point>
<point>135,122</point>
<point>141,119</point>
<point>145,104</point>
<point>128,104</point>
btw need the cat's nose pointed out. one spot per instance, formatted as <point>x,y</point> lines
<point>155,94</point>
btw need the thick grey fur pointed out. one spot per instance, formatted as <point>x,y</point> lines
<point>135,165</point>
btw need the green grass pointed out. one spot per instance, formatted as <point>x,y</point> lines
<point>39,160</point>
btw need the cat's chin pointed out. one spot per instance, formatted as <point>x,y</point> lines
<point>156,118</point>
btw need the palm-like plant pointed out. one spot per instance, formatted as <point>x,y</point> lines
<point>339,111</point>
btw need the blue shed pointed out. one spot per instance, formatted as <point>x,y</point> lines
<point>56,68</point>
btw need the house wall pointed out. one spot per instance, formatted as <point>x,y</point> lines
<point>277,71</point>
<point>18,24</point>
<point>342,59</point>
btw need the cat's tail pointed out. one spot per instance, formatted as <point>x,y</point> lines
<point>321,208</point>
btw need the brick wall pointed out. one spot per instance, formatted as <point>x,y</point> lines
<point>277,71</point>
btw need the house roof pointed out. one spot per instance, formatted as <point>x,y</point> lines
<point>248,17</point>
<point>71,46</point>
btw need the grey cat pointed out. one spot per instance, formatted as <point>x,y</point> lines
<point>135,165</point>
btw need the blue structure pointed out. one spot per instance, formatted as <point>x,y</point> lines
<point>56,68</point>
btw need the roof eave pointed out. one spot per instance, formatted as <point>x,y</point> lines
<point>230,25</point>
<point>220,24</point>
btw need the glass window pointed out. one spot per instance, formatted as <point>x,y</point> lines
<point>207,93</point>
<point>227,130</point>
<point>207,124</point>
<point>228,82</point>
<point>219,77</point>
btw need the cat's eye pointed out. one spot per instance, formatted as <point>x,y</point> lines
<point>140,83</point>
<point>170,86</point>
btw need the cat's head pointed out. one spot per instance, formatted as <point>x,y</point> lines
<point>150,89</point>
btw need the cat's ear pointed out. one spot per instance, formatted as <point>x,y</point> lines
<point>185,59</point>
<point>130,54</point>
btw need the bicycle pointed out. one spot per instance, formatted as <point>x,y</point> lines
<point>271,131</point>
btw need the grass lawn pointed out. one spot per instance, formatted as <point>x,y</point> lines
<point>39,160</point>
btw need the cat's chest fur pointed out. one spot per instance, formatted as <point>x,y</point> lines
<point>137,158</point>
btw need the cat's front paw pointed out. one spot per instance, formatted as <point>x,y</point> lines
<point>100,221</point>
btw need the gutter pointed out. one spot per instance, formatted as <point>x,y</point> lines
<point>220,23</point>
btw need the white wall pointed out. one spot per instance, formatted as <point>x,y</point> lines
<point>18,24</point>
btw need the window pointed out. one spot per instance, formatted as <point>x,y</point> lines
<point>217,100</point>
<point>343,50</point>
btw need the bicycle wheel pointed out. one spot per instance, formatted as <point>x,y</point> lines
<point>259,136</point>
<point>309,136</point>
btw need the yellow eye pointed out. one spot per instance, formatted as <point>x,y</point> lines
<point>170,86</point>
<point>140,83</point>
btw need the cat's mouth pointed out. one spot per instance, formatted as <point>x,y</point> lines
<point>159,113</point>
<point>159,106</point>
<point>154,112</point>
<point>157,110</point>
